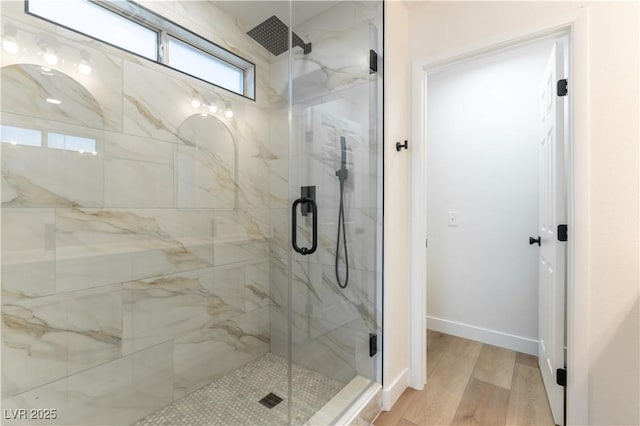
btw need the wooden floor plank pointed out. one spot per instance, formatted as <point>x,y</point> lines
<point>438,402</point>
<point>394,416</point>
<point>482,404</point>
<point>526,359</point>
<point>528,404</point>
<point>467,384</point>
<point>495,366</point>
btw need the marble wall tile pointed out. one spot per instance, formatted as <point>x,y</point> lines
<point>279,183</point>
<point>114,394</point>
<point>93,100</point>
<point>50,396</point>
<point>218,348</point>
<point>47,338</point>
<point>98,247</point>
<point>257,292</point>
<point>240,236</point>
<point>279,244</point>
<point>139,172</point>
<point>28,256</point>
<point>206,179</point>
<point>40,176</point>
<point>168,307</point>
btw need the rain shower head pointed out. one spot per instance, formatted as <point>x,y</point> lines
<point>273,35</point>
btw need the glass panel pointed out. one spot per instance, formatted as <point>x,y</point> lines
<point>97,22</point>
<point>336,148</point>
<point>197,63</point>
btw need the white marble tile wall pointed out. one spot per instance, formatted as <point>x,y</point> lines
<point>136,272</point>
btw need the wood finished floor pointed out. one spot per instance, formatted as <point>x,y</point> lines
<point>470,383</point>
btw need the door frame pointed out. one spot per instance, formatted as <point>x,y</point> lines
<point>577,306</point>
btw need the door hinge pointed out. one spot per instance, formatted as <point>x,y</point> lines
<point>562,232</point>
<point>373,344</point>
<point>561,376</point>
<point>563,87</point>
<point>373,61</point>
<point>426,243</point>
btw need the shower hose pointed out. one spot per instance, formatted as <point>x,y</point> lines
<point>342,230</point>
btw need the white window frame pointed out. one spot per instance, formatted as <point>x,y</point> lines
<point>164,29</point>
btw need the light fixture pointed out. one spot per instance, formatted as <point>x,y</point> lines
<point>195,100</point>
<point>9,42</point>
<point>50,57</point>
<point>53,101</point>
<point>84,66</point>
<point>228,112</point>
<point>213,107</point>
<point>48,44</point>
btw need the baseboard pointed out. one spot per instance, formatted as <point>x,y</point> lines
<point>391,392</point>
<point>491,337</point>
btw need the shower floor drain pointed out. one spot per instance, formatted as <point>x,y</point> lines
<point>271,400</point>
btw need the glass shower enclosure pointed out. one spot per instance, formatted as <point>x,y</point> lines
<point>176,251</point>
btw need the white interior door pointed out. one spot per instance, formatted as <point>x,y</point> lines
<point>552,212</point>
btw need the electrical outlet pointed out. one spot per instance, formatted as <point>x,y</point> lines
<point>452,218</point>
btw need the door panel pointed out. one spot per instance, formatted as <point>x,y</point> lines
<point>552,212</point>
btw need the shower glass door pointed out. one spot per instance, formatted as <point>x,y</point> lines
<point>335,199</point>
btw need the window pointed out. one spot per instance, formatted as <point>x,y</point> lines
<point>131,27</point>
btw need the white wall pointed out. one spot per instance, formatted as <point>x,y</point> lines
<point>607,187</point>
<point>483,126</point>
<point>396,196</point>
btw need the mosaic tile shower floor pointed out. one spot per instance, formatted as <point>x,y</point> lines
<point>233,399</point>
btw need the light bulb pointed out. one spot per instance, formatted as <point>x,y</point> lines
<point>213,108</point>
<point>228,112</point>
<point>50,57</point>
<point>195,102</point>
<point>84,67</point>
<point>10,45</point>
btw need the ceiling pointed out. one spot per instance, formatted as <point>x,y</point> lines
<point>251,13</point>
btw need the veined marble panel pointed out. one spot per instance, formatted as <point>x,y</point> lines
<point>353,306</point>
<point>47,338</point>
<point>103,87</point>
<point>168,307</point>
<point>98,247</point>
<point>28,257</point>
<point>254,183</point>
<point>339,354</point>
<point>280,230</point>
<point>43,176</point>
<point>306,286</point>
<point>139,172</point>
<point>158,103</point>
<point>218,348</point>
<point>206,179</point>
<point>279,183</point>
<point>118,393</point>
<point>257,293</point>
<point>240,236</point>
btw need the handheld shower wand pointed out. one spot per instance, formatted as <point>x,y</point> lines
<point>342,176</point>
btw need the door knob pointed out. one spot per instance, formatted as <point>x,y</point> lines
<point>534,241</point>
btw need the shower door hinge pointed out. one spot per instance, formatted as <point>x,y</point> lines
<point>373,344</point>
<point>563,87</point>
<point>426,243</point>
<point>561,376</point>
<point>373,62</point>
<point>562,232</point>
